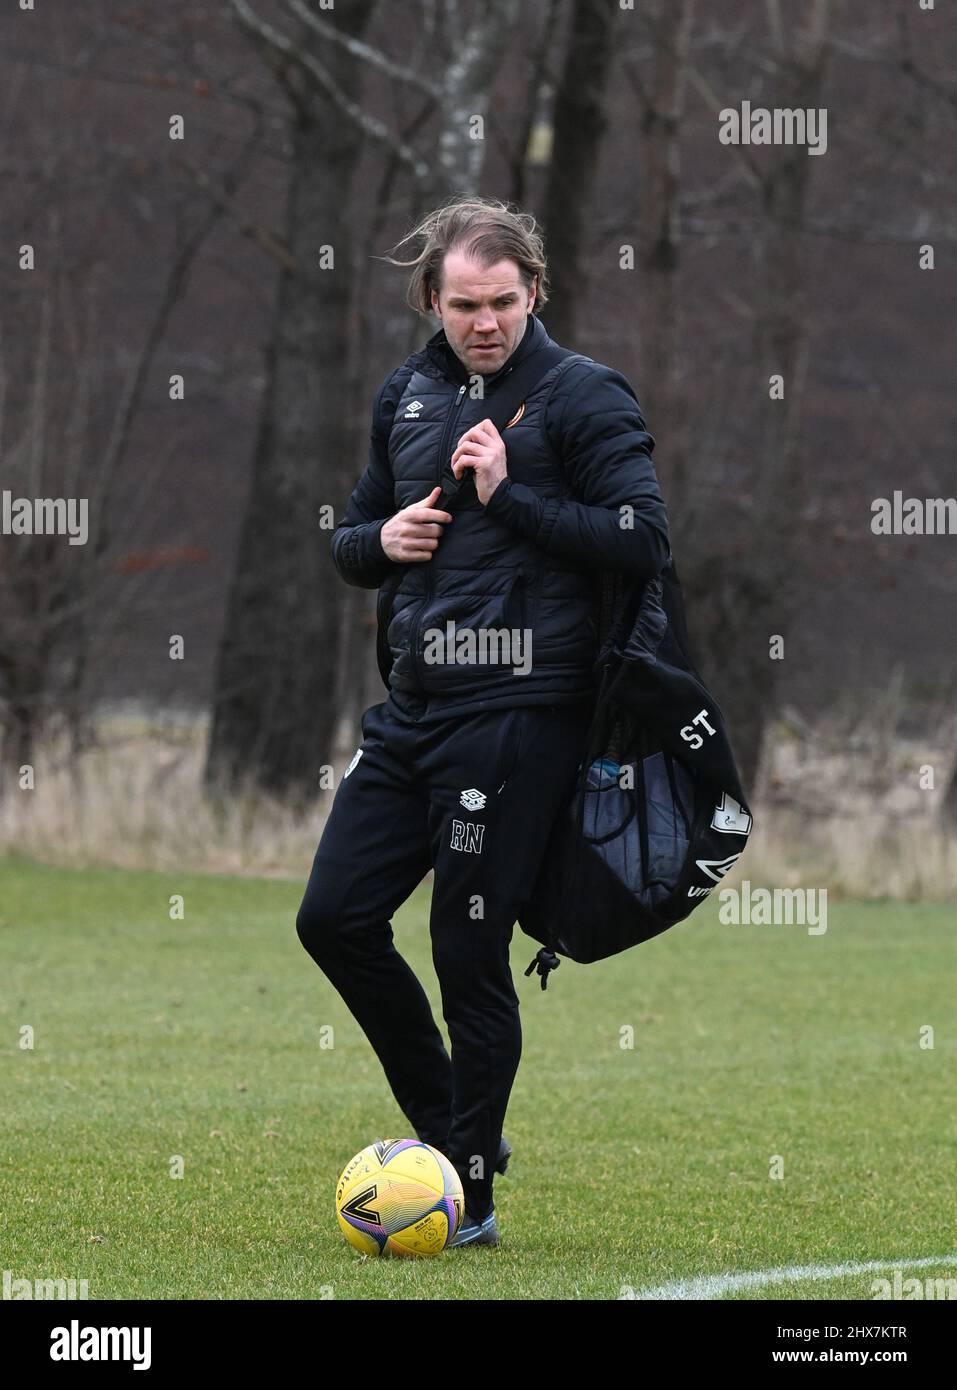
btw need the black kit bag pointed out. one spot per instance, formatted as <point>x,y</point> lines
<point>658,814</point>
<point>502,406</point>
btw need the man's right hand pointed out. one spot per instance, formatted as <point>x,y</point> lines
<point>412,534</point>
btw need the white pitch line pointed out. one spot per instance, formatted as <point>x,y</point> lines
<point>717,1285</point>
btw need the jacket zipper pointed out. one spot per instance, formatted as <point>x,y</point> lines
<point>443,459</point>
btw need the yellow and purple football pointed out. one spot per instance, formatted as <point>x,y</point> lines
<point>399,1197</point>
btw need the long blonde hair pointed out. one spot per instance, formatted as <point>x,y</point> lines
<point>484,228</point>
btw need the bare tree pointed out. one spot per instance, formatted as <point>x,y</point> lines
<point>661,103</point>
<point>275,702</point>
<point>579,121</point>
<point>741,575</point>
<point>64,448</point>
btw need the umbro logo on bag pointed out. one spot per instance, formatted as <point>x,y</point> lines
<point>472,799</point>
<point>412,410</point>
<point>717,868</point>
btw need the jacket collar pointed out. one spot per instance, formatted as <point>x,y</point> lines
<point>441,355</point>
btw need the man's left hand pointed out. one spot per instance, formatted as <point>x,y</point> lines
<point>483,449</point>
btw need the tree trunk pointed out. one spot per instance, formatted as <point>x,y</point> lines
<point>660,238</point>
<point>579,124</point>
<point>274,699</point>
<point>17,746</point>
<point>950,802</point>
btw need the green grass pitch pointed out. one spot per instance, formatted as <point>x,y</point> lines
<point>156,1039</point>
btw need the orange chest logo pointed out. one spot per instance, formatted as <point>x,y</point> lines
<point>517,416</point>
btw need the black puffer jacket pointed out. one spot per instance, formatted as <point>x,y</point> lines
<point>579,464</point>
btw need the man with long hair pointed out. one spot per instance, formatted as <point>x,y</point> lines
<point>491,637</point>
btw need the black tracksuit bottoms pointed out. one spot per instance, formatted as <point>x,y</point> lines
<point>473,796</point>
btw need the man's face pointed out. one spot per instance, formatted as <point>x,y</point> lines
<point>484,311</point>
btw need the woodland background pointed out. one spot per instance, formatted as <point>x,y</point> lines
<point>308,125</point>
